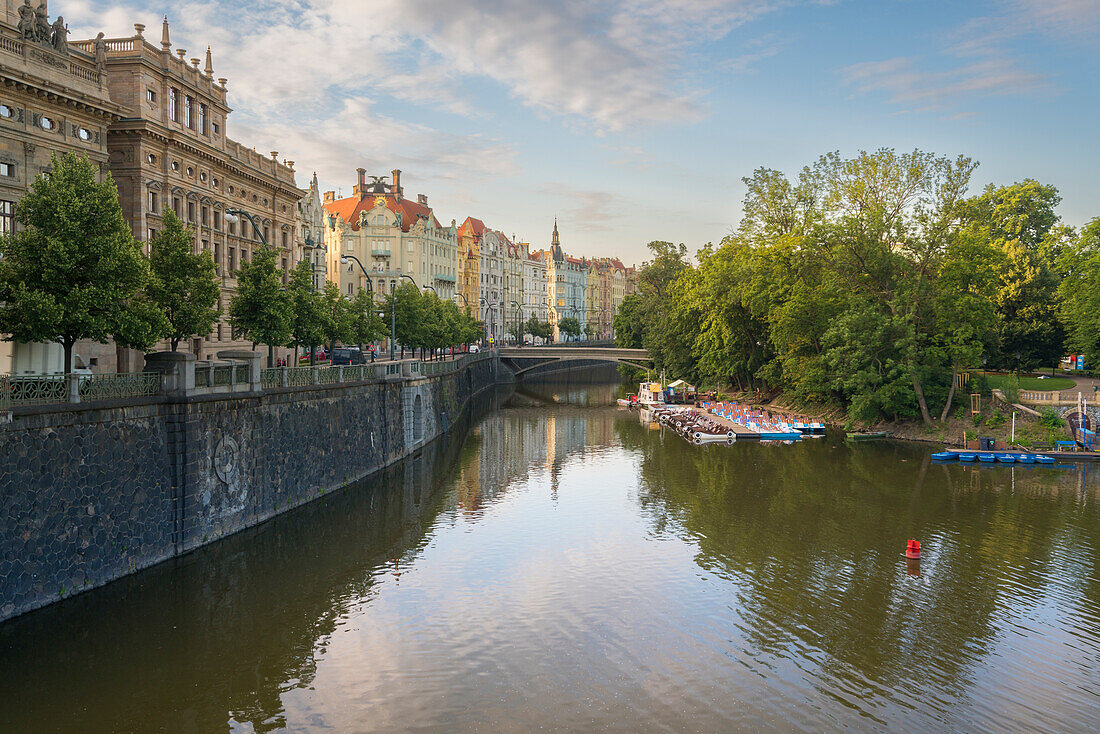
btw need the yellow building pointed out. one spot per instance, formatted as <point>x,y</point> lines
<point>469,263</point>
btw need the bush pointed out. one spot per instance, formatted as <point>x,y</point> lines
<point>1010,386</point>
<point>1049,418</point>
<point>996,420</point>
<point>970,435</point>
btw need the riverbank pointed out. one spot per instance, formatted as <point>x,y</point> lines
<point>995,421</point>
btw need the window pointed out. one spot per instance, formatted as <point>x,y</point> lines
<point>84,134</point>
<point>217,219</point>
<point>284,239</point>
<point>232,228</point>
<point>173,105</point>
<point>202,176</point>
<point>47,123</point>
<point>176,204</point>
<point>150,95</point>
<point>232,258</point>
<point>286,273</point>
<point>266,238</point>
<point>217,253</point>
<point>350,288</point>
<point>152,233</point>
<point>190,172</point>
<point>175,165</point>
<point>205,216</point>
<point>5,112</point>
<point>153,202</point>
<point>7,169</point>
<point>190,211</point>
<point>202,119</point>
<point>205,245</point>
<point>187,102</point>
<point>7,217</point>
<point>230,189</point>
<point>214,182</point>
<point>214,127</point>
<point>150,158</point>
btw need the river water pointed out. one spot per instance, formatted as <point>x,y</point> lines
<point>560,565</point>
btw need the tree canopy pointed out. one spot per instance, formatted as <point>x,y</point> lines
<point>184,284</point>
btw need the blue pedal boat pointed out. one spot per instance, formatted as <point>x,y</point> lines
<point>987,458</point>
<point>1006,458</point>
<point>1025,459</point>
<point>944,456</point>
<point>1040,459</point>
<point>967,457</point>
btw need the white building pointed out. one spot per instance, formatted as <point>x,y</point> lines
<point>310,233</point>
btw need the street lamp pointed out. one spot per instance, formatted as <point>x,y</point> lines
<point>519,333</point>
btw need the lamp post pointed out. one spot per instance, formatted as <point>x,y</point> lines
<point>519,333</point>
<point>232,216</point>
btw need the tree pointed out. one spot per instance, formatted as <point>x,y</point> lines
<point>629,324</point>
<point>588,331</point>
<point>570,327</point>
<point>366,325</point>
<point>261,311</point>
<point>184,284</point>
<point>308,317</point>
<point>405,302</point>
<point>1079,291</point>
<point>74,270</point>
<point>336,325</point>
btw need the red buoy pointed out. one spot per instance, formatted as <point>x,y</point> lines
<point>912,549</point>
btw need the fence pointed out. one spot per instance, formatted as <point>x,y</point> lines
<point>18,391</point>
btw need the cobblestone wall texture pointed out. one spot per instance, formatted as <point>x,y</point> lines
<point>92,494</point>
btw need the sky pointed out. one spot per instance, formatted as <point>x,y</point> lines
<point>635,120</point>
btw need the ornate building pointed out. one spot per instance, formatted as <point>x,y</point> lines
<point>469,263</point>
<point>494,303</point>
<point>53,99</point>
<point>534,287</point>
<point>393,237</point>
<point>309,225</point>
<point>171,149</point>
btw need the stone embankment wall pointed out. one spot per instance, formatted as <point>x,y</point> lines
<point>92,492</point>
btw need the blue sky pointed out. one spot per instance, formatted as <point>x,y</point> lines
<point>634,120</point>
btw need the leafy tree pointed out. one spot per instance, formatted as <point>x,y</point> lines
<point>308,316</point>
<point>405,301</point>
<point>74,270</point>
<point>588,331</point>
<point>184,284</point>
<point>1079,291</point>
<point>629,323</point>
<point>337,316</point>
<point>261,310</point>
<point>366,325</point>
<point>570,327</point>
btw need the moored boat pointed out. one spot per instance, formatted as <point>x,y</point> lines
<point>866,435</point>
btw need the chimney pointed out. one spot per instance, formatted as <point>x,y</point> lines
<point>422,199</point>
<point>396,178</point>
<point>330,196</point>
<point>360,189</point>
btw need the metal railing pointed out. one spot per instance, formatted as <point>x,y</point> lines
<point>19,390</point>
<point>124,385</point>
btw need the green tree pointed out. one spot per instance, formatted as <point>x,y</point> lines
<point>337,316</point>
<point>366,324</point>
<point>1079,291</point>
<point>184,284</point>
<point>261,310</point>
<point>629,324</point>
<point>570,327</point>
<point>405,302</point>
<point>74,270</point>
<point>308,317</point>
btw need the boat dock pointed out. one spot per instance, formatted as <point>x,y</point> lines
<point>743,433</point>
<point>1084,456</point>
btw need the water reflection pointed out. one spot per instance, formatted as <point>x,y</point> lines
<point>564,566</point>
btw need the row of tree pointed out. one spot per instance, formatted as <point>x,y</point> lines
<point>871,282</point>
<point>74,271</point>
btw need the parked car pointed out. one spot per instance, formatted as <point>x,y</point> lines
<point>474,348</point>
<point>347,355</point>
<point>319,353</point>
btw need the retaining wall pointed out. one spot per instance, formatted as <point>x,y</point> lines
<point>92,492</point>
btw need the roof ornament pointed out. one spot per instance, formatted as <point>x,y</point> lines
<point>209,70</point>
<point>165,42</point>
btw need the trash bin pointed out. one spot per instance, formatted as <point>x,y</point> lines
<point>987,443</point>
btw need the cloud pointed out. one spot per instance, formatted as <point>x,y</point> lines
<point>586,209</point>
<point>905,84</point>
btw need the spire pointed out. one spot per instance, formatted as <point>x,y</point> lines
<point>555,240</point>
<point>165,43</point>
<point>209,70</point>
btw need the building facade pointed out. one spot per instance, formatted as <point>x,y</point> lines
<point>309,227</point>
<point>492,297</point>
<point>171,149</point>
<point>469,264</point>
<point>53,99</point>
<point>534,287</point>
<point>392,237</point>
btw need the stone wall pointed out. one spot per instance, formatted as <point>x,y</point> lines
<point>90,493</point>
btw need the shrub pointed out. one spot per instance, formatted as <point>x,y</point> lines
<point>1011,388</point>
<point>996,420</point>
<point>970,435</point>
<point>1050,419</point>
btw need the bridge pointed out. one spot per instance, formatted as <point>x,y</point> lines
<point>523,359</point>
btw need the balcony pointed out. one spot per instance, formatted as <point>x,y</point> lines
<point>445,278</point>
<point>380,253</point>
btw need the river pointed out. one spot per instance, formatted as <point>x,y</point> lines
<point>557,564</point>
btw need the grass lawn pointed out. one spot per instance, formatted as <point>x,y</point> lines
<point>1032,383</point>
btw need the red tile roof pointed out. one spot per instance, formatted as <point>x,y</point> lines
<point>473,226</point>
<point>350,208</point>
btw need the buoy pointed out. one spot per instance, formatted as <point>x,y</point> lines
<point>912,549</point>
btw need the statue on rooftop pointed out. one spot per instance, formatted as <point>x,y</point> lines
<point>27,26</point>
<point>42,23</point>
<point>59,36</point>
<point>100,47</point>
